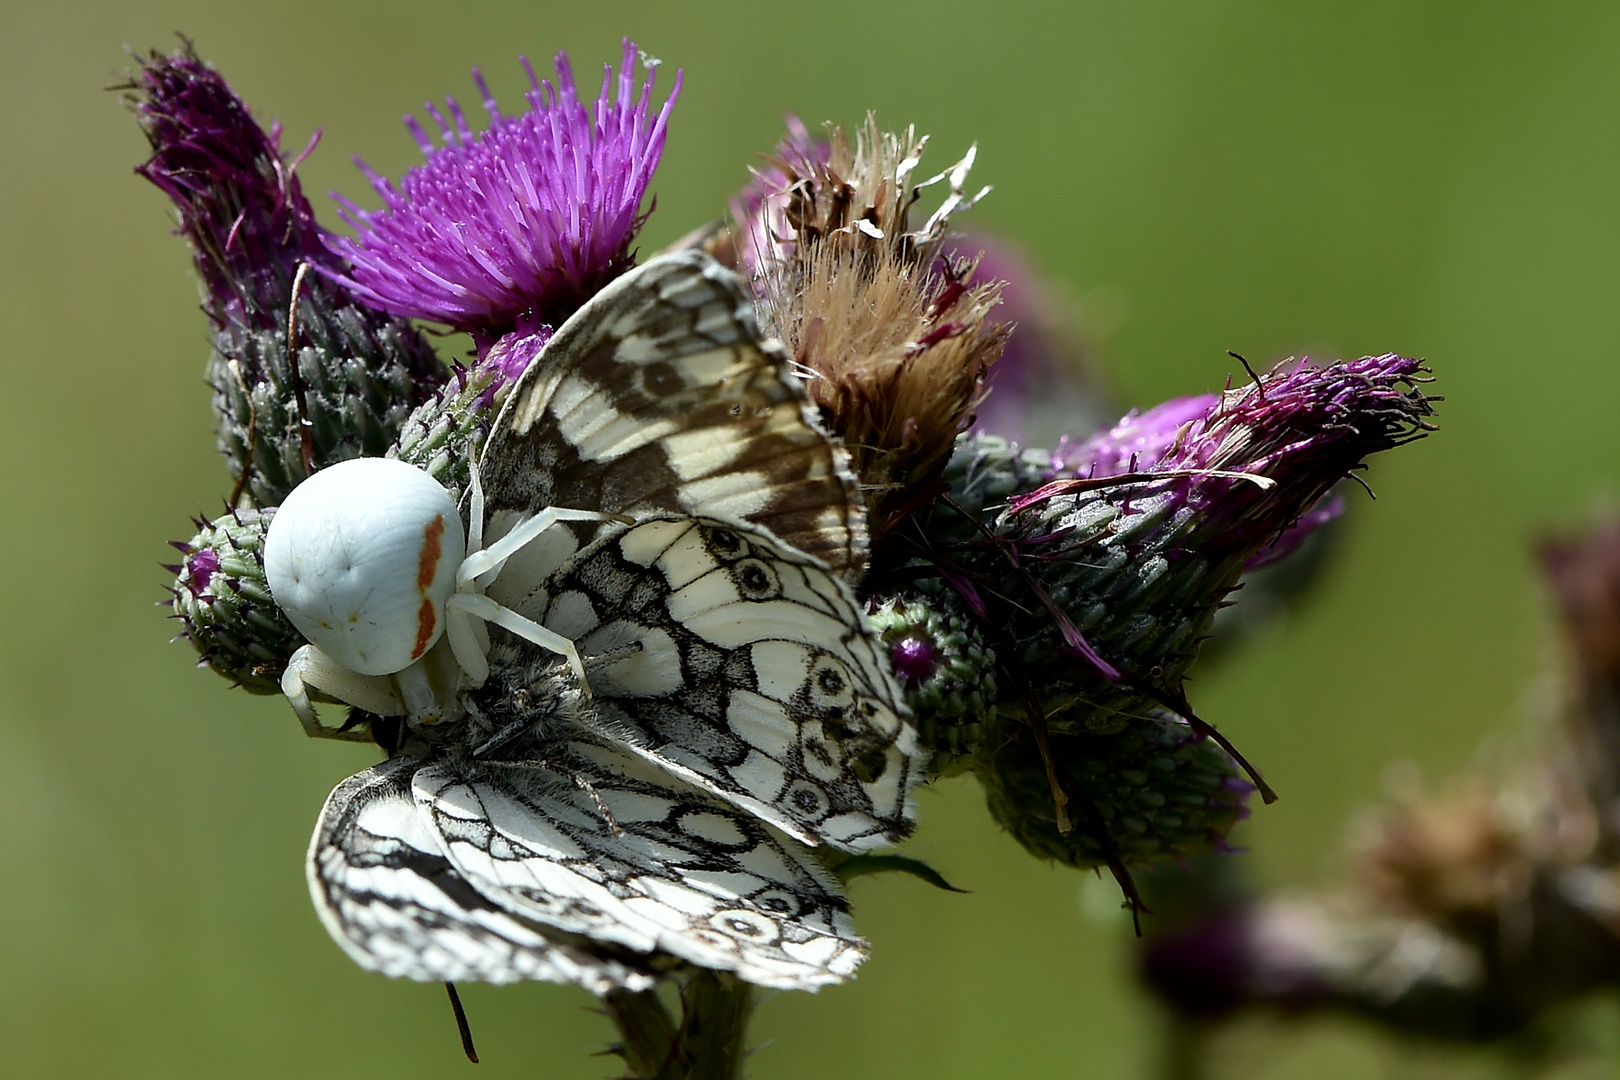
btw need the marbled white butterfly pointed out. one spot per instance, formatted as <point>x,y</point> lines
<point>739,706</point>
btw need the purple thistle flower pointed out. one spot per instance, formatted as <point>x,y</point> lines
<point>524,221</point>
<point>510,357</point>
<point>200,567</point>
<point>1138,442</point>
<point>240,204</point>
<point>250,229</point>
<point>914,658</point>
<point>1121,576</point>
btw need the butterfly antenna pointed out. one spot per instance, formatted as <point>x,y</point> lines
<point>461,1024</point>
<point>306,432</point>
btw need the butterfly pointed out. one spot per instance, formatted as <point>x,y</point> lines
<point>740,708</point>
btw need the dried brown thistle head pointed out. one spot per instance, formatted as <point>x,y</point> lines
<point>893,338</point>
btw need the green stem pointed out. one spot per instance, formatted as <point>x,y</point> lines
<point>708,1043</point>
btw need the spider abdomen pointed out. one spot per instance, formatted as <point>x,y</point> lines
<point>362,557</point>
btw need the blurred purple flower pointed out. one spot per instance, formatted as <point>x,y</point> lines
<point>524,221</point>
<point>1279,953</point>
<point>1289,540</point>
<point>1042,385</point>
<point>765,234</point>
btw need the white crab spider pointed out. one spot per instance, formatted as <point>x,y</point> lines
<point>368,561</point>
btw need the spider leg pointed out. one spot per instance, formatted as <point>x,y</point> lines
<point>310,669</point>
<point>480,562</point>
<point>458,627</point>
<point>483,607</point>
<point>475,527</point>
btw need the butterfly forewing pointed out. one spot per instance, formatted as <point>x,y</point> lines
<point>389,896</point>
<point>596,842</point>
<point>741,665</point>
<point>659,394</point>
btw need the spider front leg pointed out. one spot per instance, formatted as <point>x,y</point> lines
<point>310,668</point>
<point>481,567</point>
<point>473,660</point>
<point>475,568</point>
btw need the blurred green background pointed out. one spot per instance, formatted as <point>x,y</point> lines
<point>1335,178</point>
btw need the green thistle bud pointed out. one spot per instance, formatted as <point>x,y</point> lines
<point>984,472</point>
<point>222,599</point>
<point>1155,793</point>
<point>360,375</point>
<point>948,673</point>
<point>446,433</point>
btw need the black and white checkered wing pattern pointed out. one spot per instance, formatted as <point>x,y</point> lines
<point>389,896</point>
<point>742,666</point>
<point>599,843</point>
<point>659,395</point>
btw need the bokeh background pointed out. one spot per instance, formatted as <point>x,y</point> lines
<point>1336,178</point>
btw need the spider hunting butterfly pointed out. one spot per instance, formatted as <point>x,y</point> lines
<point>678,693</point>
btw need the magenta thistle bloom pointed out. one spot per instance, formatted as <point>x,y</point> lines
<point>250,229</point>
<point>522,222</point>
<point>1138,442</point>
<point>1142,560</point>
<point>239,201</point>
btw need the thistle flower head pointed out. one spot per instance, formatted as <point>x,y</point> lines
<point>1152,793</point>
<point>524,220</point>
<point>224,605</point>
<point>239,202</point>
<point>894,339</point>
<point>1133,566</point>
<point>345,383</point>
<point>1292,436</point>
<point>1141,440</point>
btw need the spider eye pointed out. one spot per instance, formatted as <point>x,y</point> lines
<point>362,557</point>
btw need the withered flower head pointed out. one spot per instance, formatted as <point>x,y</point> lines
<point>894,339</point>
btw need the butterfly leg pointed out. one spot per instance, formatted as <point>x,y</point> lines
<point>482,607</point>
<point>310,669</point>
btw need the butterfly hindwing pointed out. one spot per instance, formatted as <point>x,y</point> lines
<point>744,667</point>
<point>388,895</point>
<point>597,842</point>
<point>659,395</point>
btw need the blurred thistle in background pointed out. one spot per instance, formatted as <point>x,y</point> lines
<point>1041,608</point>
<point>1481,913</point>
